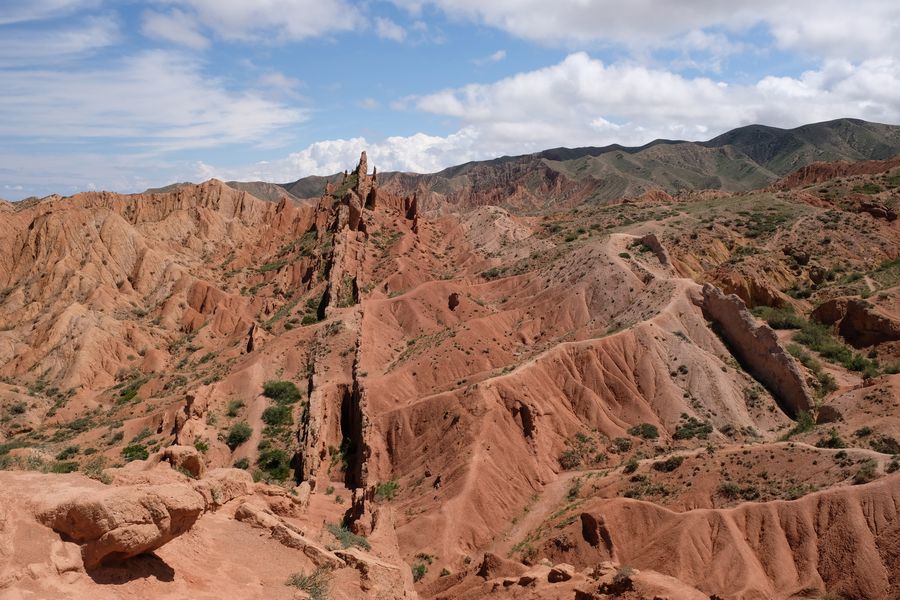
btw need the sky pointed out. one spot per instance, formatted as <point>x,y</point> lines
<point>125,95</point>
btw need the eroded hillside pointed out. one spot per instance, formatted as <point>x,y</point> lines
<point>454,403</point>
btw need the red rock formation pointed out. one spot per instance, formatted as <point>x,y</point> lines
<point>759,349</point>
<point>858,322</point>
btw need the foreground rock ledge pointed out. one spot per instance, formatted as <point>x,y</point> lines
<point>118,523</point>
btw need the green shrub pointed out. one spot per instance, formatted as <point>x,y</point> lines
<point>832,440</point>
<point>622,444</point>
<point>347,538</point>
<point>234,408</point>
<point>386,490</point>
<point>272,266</point>
<point>64,467</point>
<point>867,472</point>
<point>691,427</point>
<point>780,318</point>
<point>242,463</point>
<point>277,415</point>
<point>135,452</point>
<point>668,465</point>
<point>418,571</point>
<point>275,462</point>
<point>631,466</point>
<point>885,444</point>
<point>805,422</point>
<point>492,273</point>
<point>733,491</point>
<point>819,338</point>
<point>68,453</point>
<point>142,435</point>
<point>868,188</point>
<point>569,459</point>
<point>315,584</point>
<point>863,432</point>
<point>202,446</point>
<point>282,392</point>
<point>238,434</point>
<point>645,430</point>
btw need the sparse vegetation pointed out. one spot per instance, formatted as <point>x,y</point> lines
<point>238,434</point>
<point>316,584</point>
<point>275,463</point>
<point>581,450</point>
<point>832,440</point>
<point>282,392</point>
<point>347,538</point>
<point>818,337</point>
<point>234,408</point>
<point>386,490</point>
<point>805,422</point>
<point>645,431</point>
<point>734,491</point>
<point>691,427</point>
<point>631,466</point>
<point>277,415</point>
<point>135,452</point>
<point>868,471</point>
<point>668,465</point>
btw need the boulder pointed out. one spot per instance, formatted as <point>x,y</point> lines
<point>495,566</point>
<point>561,572</point>
<point>115,524</point>
<point>221,486</point>
<point>185,458</point>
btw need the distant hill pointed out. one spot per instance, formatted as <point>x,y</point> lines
<point>742,159</point>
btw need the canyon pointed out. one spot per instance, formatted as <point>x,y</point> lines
<point>664,372</point>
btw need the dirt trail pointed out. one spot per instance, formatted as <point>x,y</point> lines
<point>550,499</point>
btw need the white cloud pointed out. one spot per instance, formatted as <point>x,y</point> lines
<point>854,30</point>
<point>418,153</point>
<point>582,101</point>
<point>157,99</point>
<point>175,26</point>
<point>21,11</point>
<point>278,20</point>
<point>389,30</point>
<point>497,56</point>
<point>21,49</point>
<point>369,103</point>
<point>556,105</point>
<point>282,85</point>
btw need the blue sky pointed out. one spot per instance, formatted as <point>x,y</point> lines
<point>126,95</point>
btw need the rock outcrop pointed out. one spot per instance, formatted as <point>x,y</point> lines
<point>758,348</point>
<point>120,522</point>
<point>185,458</point>
<point>858,322</point>
<point>287,535</point>
<point>115,524</point>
